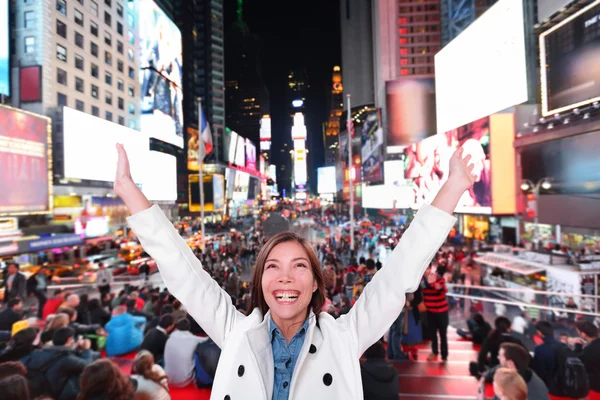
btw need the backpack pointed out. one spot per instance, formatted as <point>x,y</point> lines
<point>206,359</point>
<point>571,376</point>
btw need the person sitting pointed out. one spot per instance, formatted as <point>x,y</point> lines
<point>98,315</point>
<point>12,313</point>
<point>103,380</point>
<point>156,339</point>
<point>20,345</point>
<point>80,329</point>
<point>139,302</point>
<point>153,323</point>
<point>14,387</point>
<point>133,310</point>
<point>179,354</point>
<point>545,357</point>
<point>125,332</point>
<point>479,329</point>
<point>509,385</point>
<point>516,358</point>
<point>54,370</point>
<point>491,344</point>
<point>151,379</point>
<point>53,303</point>
<point>590,354</point>
<point>54,322</point>
<point>379,377</point>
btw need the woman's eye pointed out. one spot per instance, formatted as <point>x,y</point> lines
<point>270,266</point>
<point>301,265</point>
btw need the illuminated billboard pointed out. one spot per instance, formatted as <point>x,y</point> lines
<point>250,155</point>
<point>299,129</point>
<point>240,186</point>
<point>372,149</point>
<point>213,193</point>
<point>240,152</point>
<point>160,61</point>
<point>25,170</point>
<point>265,128</point>
<point>326,180</point>
<point>160,183</point>
<point>4,49</point>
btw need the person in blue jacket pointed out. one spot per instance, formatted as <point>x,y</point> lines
<point>125,332</point>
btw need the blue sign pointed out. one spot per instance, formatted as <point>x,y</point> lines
<point>4,40</point>
<point>54,241</point>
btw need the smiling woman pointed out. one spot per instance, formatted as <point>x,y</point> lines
<point>285,347</point>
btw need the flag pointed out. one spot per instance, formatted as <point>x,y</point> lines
<point>205,145</point>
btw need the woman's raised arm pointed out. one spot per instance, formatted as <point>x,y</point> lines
<point>180,269</point>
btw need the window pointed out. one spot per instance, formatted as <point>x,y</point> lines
<point>120,47</point>
<point>79,84</point>
<point>108,78</point>
<point>108,98</point>
<point>130,55</point>
<point>130,20</point>
<point>61,6</point>
<point>95,70</point>
<point>95,92</point>
<point>94,49</point>
<point>78,62</point>
<point>131,90</point>
<point>79,106</point>
<point>108,2</point>
<point>29,44</point>
<point>61,76</point>
<point>131,108</point>
<point>121,103</point>
<point>61,99</point>
<point>80,2</point>
<point>94,8</point>
<point>120,84</point>
<point>61,53</point>
<point>131,124</point>
<point>95,111</point>
<point>109,116</point>
<point>120,66</point>
<point>107,38</point>
<point>29,19</point>
<point>108,57</point>
<point>131,72</point>
<point>94,28</point>
<point>130,37</point>
<point>119,10</point>
<point>121,120</point>
<point>61,28</point>
<point>78,17</point>
<point>79,40</point>
<point>107,18</point>
<point>119,28</point>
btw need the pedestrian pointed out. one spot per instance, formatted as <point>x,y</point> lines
<point>436,302</point>
<point>104,279</point>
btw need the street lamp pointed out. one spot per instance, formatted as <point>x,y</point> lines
<point>528,186</point>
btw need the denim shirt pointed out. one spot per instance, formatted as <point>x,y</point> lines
<point>285,356</point>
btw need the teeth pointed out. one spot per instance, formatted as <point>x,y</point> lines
<point>286,296</point>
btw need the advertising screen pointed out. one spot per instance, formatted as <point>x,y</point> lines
<point>395,193</point>
<point>250,155</point>
<point>326,180</point>
<point>4,49</point>
<point>160,57</point>
<point>192,152</point>
<point>213,193</point>
<point>233,139</point>
<point>240,152</point>
<point>218,182</point>
<point>265,128</point>
<point>160,182</point>
<point>90,153</point>
<point>427,162</point>
<point>230,181</point>
<point>372,149</point>
<point>240,187</point>
<point>411,110</point>
<point>570,51</point>
<point>483,70</point>
<point>24,170</point>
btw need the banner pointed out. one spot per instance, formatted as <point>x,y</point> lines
<point>372,149</point>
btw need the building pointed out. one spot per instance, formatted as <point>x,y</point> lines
<point>296,91</point>
<point>332,126</point>
<point>357,50</point>
<point>459,14</point>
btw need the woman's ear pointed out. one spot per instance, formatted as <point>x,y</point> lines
<point>315,285</point>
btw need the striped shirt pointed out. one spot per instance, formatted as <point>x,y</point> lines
<point>435,300</point>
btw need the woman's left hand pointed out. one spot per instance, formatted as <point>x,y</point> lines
<point>461,173</point>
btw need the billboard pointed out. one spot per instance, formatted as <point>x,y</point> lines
<point>570,52</point>
<point>25,170</point>
<point>240,152</point>
<point>240,186</point>
<point>547,8</point>
<point>300,170</point>
<point>372,149</point>
<point>326,180</point>
<point>395,193</point>
<point>160,182</point>
<point>213,193</point>
<point>265,128</point>
<point>90,153</point>
<point>427,162</point>
<point>410,109</point>
<point>250,155</point>
<point>160,61</point>
<point>230,182</point>
<point>4,49</point>
<point>192,152</point>
<point>299,129</point>
<point>483,70</point>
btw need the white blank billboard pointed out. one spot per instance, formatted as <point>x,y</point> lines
<point>395,193</point>
<point>160,182</point>
<point>326,180</point>
<point>483,70</point>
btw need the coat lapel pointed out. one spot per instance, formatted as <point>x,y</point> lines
<point>259,343</point>
<point>312,335</point>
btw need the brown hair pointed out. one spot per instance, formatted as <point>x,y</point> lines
<point>257,298</point>
<point>59,320</point>
<point>512,385</point>
<point>142,365</point>
<point>14,387</point>
<point>103,377</point>
<point>70,311</point>
<point>10,368</point>
<point>517,354</point>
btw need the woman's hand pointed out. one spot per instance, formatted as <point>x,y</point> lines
<point>123,178</point>
<point>461,173</point>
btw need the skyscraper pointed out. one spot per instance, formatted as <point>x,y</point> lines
<point>332,128</point>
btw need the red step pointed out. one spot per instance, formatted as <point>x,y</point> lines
<point>454,387</point>
<point>464,356</point>
<point>409,368</point>
<point>452,345</point>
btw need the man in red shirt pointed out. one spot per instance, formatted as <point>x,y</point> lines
<point>434,297</point>
<point>54,303</point>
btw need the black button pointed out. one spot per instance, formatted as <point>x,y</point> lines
<point>285,384</point>
<point>241,370</point>
<point>327,379</point>
<point>312,349</point>
<point>227,397</point>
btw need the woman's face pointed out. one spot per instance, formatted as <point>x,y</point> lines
<point>288,282</point>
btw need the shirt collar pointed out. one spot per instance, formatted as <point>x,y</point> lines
<point>160,328</point>
<point>273,328</point>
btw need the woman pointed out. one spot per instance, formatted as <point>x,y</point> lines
<point>54,322</point>
<point>98,315</point>
<point>509,385</point>
<point>285,347</point>
<point>103,380</point>
<point>150,377</point>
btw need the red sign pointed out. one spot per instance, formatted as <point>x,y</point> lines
<point>23,162</point>
<point>531,207</point>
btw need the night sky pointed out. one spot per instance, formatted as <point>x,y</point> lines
<point>296,34</point>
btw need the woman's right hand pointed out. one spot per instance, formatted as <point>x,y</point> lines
<point>123,177</point>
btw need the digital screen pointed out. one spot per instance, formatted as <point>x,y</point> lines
<point>250,155</point>
<point>192,156</point>
<point>395,193</point>
<point>233,140</point>
<point>427,163</point>
<point>160,58</point>
<point>160,182</point>
<point>240,152</point>
<point>90,153</point>
<point>218,192</point>
<point>230,181</point>
<point>265,128</point>
<point>571,51</point>
<point>483,70</point>
<point>372,149</point>
<point>326,180</point>
<point>24,169</point>
<point>240,187</point>
<point>4,49</point>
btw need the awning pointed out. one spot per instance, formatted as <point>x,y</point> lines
<point>510,264</point>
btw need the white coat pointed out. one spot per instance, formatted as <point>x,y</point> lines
<point>328,365</point>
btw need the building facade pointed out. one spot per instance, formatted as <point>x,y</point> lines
<point>332,127</point>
